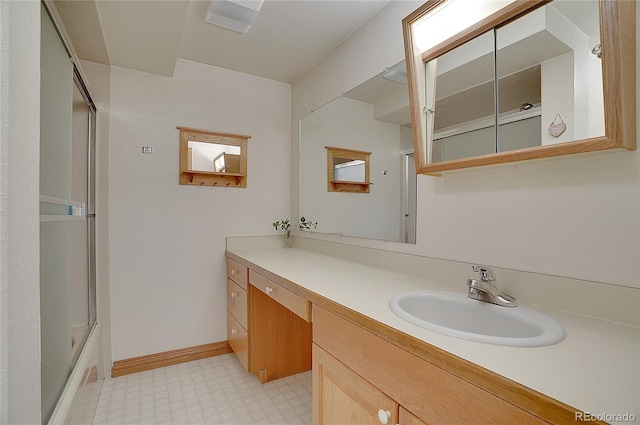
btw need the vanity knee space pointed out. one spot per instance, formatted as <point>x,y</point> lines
<point>268,326</point>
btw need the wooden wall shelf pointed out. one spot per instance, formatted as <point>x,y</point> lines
<point>237,177</point>
<point>348,186</point>
<point>210,178</point>
<point>337,157</point>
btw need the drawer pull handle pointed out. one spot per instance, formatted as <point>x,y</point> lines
<point>268,290</point>
<point>233,331</point>
<point>234,272</point>
<point>233,295</point>
<point>383,416</point>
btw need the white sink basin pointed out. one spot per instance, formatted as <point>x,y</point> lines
<point>455,314</point>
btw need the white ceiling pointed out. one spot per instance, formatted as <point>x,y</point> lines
<point>287,39</point>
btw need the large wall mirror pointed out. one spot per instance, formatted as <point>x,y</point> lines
<point>373,118</point>
<point>523,81</point>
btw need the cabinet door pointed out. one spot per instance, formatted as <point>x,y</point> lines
<point>340,396</point>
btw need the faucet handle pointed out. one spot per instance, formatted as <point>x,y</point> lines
<point>486,274</point>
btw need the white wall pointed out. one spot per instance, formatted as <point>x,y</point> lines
<point>168,287</point>
<point>556,91</point>
<point>575,217</point>
<point>19,212</point>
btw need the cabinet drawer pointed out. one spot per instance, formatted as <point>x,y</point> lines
<point>294,302</point>
<point>238,273</point>
<point>238,339</point>
<point>237,302</point>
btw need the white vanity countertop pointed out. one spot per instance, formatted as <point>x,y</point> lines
<point>595,369</point>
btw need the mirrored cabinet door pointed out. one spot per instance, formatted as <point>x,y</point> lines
<point>460,102</point>
<point>529,80</point>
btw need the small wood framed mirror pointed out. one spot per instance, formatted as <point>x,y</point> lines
<point>209,158</point>
<point>347,170</point>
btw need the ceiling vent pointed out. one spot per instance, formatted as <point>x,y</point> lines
<point>236,15</point>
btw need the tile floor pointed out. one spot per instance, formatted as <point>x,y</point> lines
<point>216,390</point>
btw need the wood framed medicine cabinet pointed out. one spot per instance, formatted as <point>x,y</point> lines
<point>348,170</point>
<point>616,52</point>
<point>209,158</point>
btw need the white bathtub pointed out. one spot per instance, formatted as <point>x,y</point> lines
<point>79,399</point>
<point>77,333</point>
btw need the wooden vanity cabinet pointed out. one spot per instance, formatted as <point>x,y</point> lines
<point>237,311</point>
<point>268,326</point>
<point>360,373</point>
<point>280,322</point>
<point>364,370</point>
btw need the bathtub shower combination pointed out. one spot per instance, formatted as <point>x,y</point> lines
<point>70,349</point>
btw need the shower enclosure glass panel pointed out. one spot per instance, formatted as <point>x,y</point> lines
<point>67,277</point>
<point>55,182</point>
<point>81,248</point>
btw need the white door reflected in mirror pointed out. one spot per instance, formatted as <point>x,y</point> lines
<point>213,157</point>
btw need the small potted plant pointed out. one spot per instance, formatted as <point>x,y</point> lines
<point>286,226</point>
<point>307,224</point>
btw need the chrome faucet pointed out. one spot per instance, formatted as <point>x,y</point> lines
<point>483,289</point>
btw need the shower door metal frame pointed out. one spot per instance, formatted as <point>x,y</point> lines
<point>90,208</point>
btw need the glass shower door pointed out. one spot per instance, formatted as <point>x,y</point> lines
<point>67,277</point>
<point>55,195</point>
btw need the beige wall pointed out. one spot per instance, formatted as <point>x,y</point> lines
<point>19,212</point>
<point>168,287</point>
<point>576,217</point>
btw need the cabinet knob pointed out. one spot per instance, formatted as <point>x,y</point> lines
<point>268,290</point>
<point>234,272</point>
<point>233,332</point>
<point>233,295</point>
<point>383,416</point>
